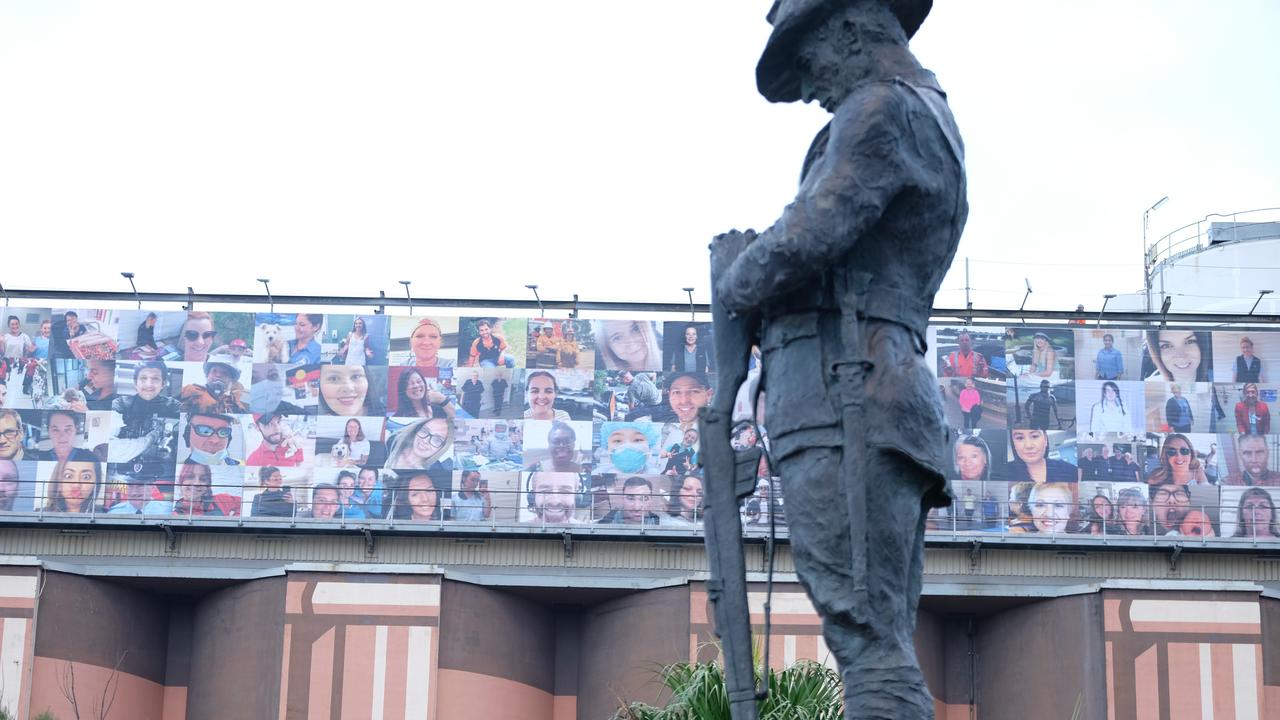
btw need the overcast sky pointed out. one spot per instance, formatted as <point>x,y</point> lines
<point>590,147</point>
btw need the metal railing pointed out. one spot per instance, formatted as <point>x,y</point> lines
<point>602,511</point>
<point>1196,236</point>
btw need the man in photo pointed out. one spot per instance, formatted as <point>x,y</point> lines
<point>99,386</point>
<point>499,387</point>
<point>642,393</point>
<point>1248,367</point>
<point>472,395</point>
<point>1040,406</point>
<point>500,444</point>
<point>280,447</point>
<point>1252,415</point>
<point>1169,503</point>
<point>1109,365</point>
<point>490,349</point>
<point>304,348</point>
<point>209,437</point>
<point>66,329</point>
<point>221,392</point>
<point>1088,467</point>
<point>137,493</point>
<point>324,502</point>
<point>8,485</point>
<point>1253,456</point>
<point>965,362</point>
<point>637,494</point>
<point>143,433</point>
<point>1177,411</point>
<point>553,496</point>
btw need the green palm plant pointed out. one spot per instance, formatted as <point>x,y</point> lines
<point>803,691</point>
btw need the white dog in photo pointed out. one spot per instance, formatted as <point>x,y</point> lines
<point>273,339</point>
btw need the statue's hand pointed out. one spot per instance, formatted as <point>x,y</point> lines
<point>725,249</point>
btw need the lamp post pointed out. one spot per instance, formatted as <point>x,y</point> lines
<point>1146,256</point>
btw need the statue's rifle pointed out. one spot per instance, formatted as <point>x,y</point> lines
<point>730,477</point>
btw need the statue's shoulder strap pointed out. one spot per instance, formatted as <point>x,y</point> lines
<point>816,150</point>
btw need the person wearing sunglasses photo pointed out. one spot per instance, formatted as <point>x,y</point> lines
<point>1179,464</point>
<point>197,337</point>
<point>209,437</point>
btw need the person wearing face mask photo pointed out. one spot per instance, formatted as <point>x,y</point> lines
<point>628,448</point>
<point>209,437</point>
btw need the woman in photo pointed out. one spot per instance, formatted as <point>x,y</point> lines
<point>424,346</point>
<point>472,503</point>
<point>686,502</point>
<point>357,446</point>
<point>1031,459</point>
<point>541,392</point>
<point>1180,356</point>
<point>629,345</point>
<point>1101,516</point>
<point>1051,508</point>
<point>422,444</point>
<point>415,397</point>
<point>970,404</point>
<point>1179,463</point>
<point>350,507</point>
<point>973,458</point>
<point>1256,515</point>
<point>73,486</point>
<point>344,390</point>
<point>274,499</point>
<point>1043,357</point>
<point>355,348</point>
<point>1131,513</point>
<point>195,492</point>
<point>419,500</point>
<point>1108,415</point>
<point>690,356</point>
<point>197,337</point>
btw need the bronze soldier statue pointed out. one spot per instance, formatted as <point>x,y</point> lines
<point>842,286</point>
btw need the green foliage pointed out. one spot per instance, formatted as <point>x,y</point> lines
<point>46,715</point>
<point>804,691</point>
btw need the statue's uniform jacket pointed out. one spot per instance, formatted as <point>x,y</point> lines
<point>883,192</point>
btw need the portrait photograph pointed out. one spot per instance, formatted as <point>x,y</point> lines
<point>484,497</point>
<point>70,486</point>
<point>18,488</point>
<point>1108,408</point>
<point>634,345</point>
<point>968,352</point>
<point>293,338</point>
<point>1178,356</point>
<point>490,342</point>
<point>353,390</point>
<point>280,493</point>
<point>688,347</point>
<point>150,335</point>
<point>350,442</point>
<point>354,339</point>
<point>560,395</point>
<point>557,498</point>
<point>488,393</point>
<point>1106,354</point>
<point>489,445</point>
<point>1042,403</point>
<point>1250,459</point>
<point>557,446</point>
<point>567,344</point>
<point>1243,357</point>
<point>1185,408</point>
<point>1183,459</point>
<point>293,389</point>
<point>211,439</point>
<point>1100,510</point>
<point>1250,513</point>
<point>280,439</point>
<point>84,333</point>
<point>980,456</point>
<point>421,391</point>
<point>424,342</point>
<point>1033,354</point>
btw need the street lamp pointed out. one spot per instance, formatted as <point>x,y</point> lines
<point>1146,264</point>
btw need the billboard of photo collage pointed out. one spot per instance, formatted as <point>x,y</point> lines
<point>1118,432</point>
<point>349,417</point>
